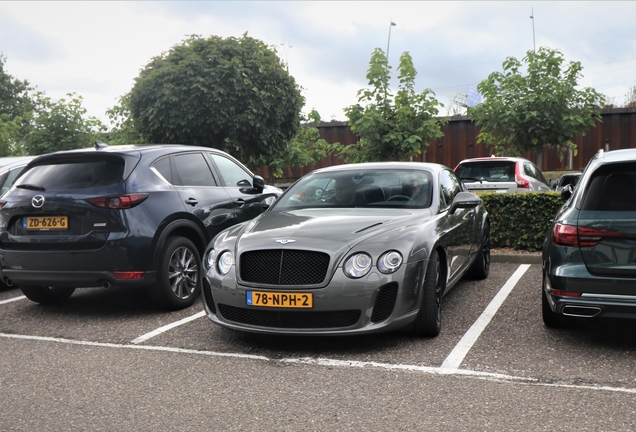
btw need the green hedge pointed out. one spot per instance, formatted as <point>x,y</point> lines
<point>520,220</point>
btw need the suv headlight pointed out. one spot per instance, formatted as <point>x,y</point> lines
<point>358,265</point>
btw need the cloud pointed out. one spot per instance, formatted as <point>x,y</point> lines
<point>97,49</point>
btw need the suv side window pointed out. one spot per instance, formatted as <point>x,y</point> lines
<point>233,175</point>
<point>449,187</point>
<point>163,167</point>
<point>11,176</point>
<point>191,169</point>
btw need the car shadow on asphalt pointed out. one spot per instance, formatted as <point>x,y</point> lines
<point>612,333</point>
<point>280,346</point>
<point>99,302</point>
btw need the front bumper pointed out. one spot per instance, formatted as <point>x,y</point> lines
<point>372,304</point>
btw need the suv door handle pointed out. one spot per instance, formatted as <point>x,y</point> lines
<point>192,201</point>
<point>239,203</point>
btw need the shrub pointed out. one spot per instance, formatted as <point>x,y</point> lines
<point>520,220</point>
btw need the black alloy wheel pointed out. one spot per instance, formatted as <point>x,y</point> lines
<point>429,319</point>
<point>480,269</point>
<point>179,274</point>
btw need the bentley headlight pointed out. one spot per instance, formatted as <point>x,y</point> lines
<point>225,262</point>
<point>389,262</point>
<point>357,265</point>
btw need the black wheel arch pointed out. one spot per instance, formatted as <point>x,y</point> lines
<point>179,228</point>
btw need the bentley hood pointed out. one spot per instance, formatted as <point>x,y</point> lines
<point>328,230</point>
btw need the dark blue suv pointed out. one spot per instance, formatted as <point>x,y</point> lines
<point>137,215</point>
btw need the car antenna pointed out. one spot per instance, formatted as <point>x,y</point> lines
<point>100,145</point>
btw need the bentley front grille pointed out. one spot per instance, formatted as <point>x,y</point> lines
<point>290,319</point>
<point>284,267</point>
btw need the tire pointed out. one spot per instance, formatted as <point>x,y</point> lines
<point>480,268</point>
<point>550,319</point>
<point>47,295</point>
<point>178,276</point>
<point>428,322</point>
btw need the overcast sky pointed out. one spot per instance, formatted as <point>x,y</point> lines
<point>96,49</point>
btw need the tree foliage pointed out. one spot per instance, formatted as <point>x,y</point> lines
<point>392,127</point>
<point>630,97</point>
<point>15,99</point>
<point>62,124</point>
<point>233,94</point>
<point>32,123</point>
<point>123,129</point>
<point>16,105</point>
<point>306,148</point>
<point>543,108</point>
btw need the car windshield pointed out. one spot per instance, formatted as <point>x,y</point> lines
<point>360,188</point>
<point>568,179</point>
<point>491,171</point>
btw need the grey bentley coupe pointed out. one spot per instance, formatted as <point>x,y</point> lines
<point>350,249</point>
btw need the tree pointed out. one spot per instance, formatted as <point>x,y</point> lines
<point>542,108</point>
<point>306,148</point>
<point>392,127</point>
<point>16,105</point>
<point>123,130</point>
<point>15,99</point>
<point>232,94</point>
<point>630,97</point>
<point>60,125</point>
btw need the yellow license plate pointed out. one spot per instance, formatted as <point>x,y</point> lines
<point>280,299</point>
<point>45,222</point>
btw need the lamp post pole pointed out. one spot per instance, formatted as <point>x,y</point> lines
<point>534,45</point>
<point>388,43</point>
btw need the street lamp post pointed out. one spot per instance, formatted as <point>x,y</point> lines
<point>389,41</point>
<point>534,45</point>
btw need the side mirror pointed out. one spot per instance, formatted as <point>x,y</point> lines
<point>554,183</point>
<point>464,200</point>
<point>259,183</point>
<point>566,192</point>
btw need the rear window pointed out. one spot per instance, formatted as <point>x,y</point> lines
<point>612,187</point>
<point>492,171</point>
<point>69,175</point>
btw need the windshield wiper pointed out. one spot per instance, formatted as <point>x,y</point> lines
<point>471,179</point>
<point>31,187</point>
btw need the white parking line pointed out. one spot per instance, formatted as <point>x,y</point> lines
<point>456,356</point>
<point>165,328</point>
<point>496,377</point>
<point>12,300</point>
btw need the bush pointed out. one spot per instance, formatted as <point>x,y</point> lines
<point>520,220</point>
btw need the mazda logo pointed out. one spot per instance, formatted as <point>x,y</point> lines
<point>285,241</point>
<point>37,201</point>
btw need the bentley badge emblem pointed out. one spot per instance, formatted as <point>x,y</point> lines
<point>37,201</point>
<point>285,241</point>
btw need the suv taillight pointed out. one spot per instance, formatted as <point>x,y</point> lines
<point>119,202</point>
<point>571,235</point>
<point>521,182</point>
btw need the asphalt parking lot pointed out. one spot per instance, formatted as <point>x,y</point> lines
<point>110,360</point>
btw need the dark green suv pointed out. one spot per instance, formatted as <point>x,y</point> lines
<point>589,256</point>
